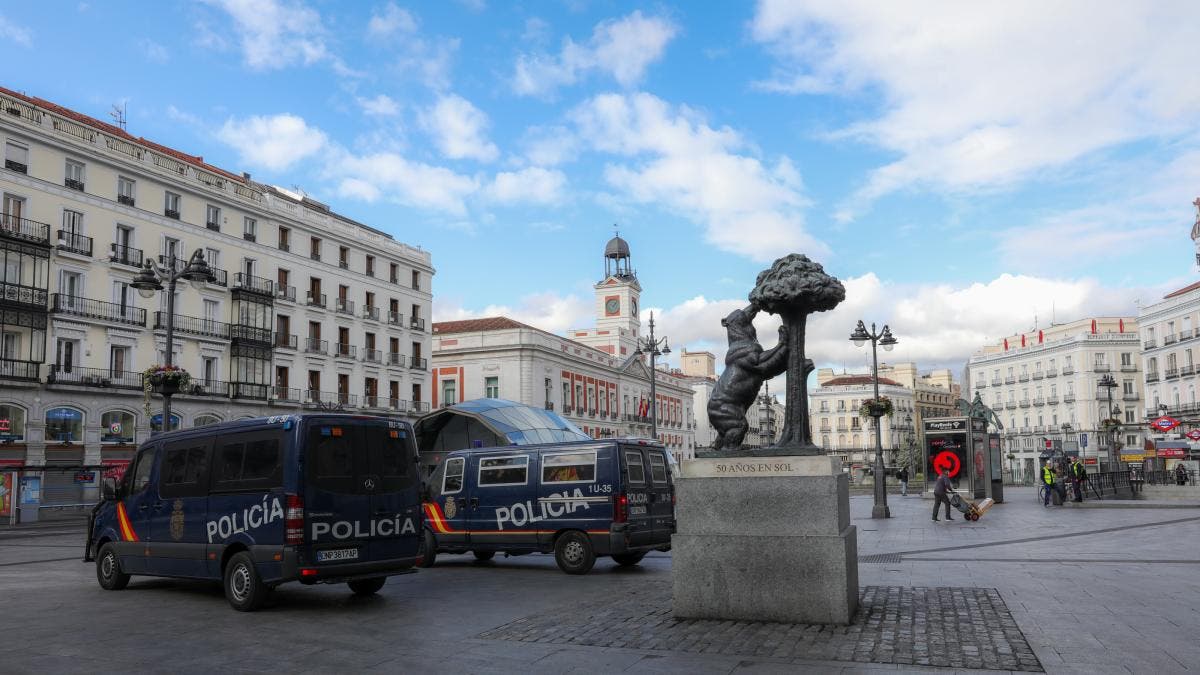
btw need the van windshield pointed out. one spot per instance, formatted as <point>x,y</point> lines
<point>342,455</point>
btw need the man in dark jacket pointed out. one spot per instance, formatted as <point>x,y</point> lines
<point>940,488</point>
<point>902,476</point>
<point>1078,477</point>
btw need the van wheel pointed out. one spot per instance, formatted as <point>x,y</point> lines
<point>483,556</point>
<point>573,553</point>
<point>367,586</point>
<point>628,559</point>
<point>244,590</point>
<point>108,569</point>
<point>428,549</point>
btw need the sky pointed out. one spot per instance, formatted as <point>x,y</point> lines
<point>968,170</point>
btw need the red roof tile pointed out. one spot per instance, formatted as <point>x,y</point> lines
<point>472,325</point>
<point>857,379</point>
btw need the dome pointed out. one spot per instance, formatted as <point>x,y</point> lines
<point>616,248</point>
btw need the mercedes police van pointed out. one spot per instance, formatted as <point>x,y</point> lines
<point>314,498</point>
<point>577,500</point>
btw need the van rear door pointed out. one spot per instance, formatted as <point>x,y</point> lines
<point>637,490</point>
<point>396,500</point>
<point>336,497</point>
<point>662,501</point>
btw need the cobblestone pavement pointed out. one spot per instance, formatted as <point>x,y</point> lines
<point>953,627</point>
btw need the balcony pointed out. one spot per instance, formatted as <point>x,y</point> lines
<point>567,409</point>
<point>394,359</point>
<point>1010,380</point>
<point>171,213</point>
<point>996,381</point>
<point>287,293</point>
<point>12,369</point>
<point>1130,396</point>
<point>94,377</point>
<point>12,165</point>
<point>345,351</point>
<point>72,242</point>
<point>1039,401</point>
<point>285,394</point>
<point>1037,374</point>
<point>206,387</point>
<point>1186,335</point>
<point>372,355</point>
<point>1039,429</point>
<point>97,309</point>
<point>24,229</point>
<point>344,264</point>
<point>1152,376</point>
<point>193,326</point>
<point>127,200</point>
<point>369,312</point>
<point>1168,339</point>
<point>419,406</point>
<point>125,255</point>
<point>1068,398</point>
<point>1100,368</point>
<point>1068,370</point>
<point>74,184</point>
<point>1149,344</point>
<point>416,323</point>
<point>215,227</point>
<point>1024,403</point>
<point>1053,372</point>
<point>252,390</point>
<point>1184,371</point>
<point>252,284</point>
<point>395,318</point>
<point>314,397</point>
<point>286,248</point>
<point>981,384</point>
<point>315,256</point>
<point>1171,373</point>
<point>343,306</point>
<point>315,300</point>
<point>418,363</point>
<point>1052,400</point>
<point>250,236</point>
<point>1023,377</point>
<point>243,333</point>
<point>373,401</point>
<point>316,346</point>
<point>284,341</point>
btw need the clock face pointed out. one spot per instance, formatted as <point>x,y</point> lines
<point>612,306</point>
<point>633,307</point>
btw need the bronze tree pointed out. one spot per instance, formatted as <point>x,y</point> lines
<point>793,288</point>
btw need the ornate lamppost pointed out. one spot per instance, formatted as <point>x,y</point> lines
<point>1109,383</point>
<point>885,339</point>
<point>150,281</point>
<point>655,347</point>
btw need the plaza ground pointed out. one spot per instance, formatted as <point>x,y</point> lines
<point>1095,590</point>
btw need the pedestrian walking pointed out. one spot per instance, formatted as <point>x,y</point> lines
<point>1078,476</point>
<point>940,488</point>
<point>1181,474</point>
<point>903,478</point>
<point>1052,484</point>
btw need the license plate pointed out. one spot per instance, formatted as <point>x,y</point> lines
<point>637,510</point>
<point>337,554</point>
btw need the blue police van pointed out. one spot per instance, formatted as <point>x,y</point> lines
<point>314,498</point>
<point>577,500</point>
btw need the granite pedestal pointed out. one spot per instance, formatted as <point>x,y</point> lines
<point>764,539</point>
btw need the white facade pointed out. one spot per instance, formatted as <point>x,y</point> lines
<point>1040,381</point>
<point>837,427</point>
<point>308,307</point>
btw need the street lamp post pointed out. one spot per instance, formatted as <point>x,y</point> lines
<point>150,281</point>
<point>885,339</point>
<point>1109,383</point>
<point>655,347</point>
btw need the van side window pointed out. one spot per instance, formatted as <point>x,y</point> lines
<point>452,481</point>
<point>141,474</point>
<point>184,469</point>
<point>658,469</point>
<point>637,471</point>
<point>504,470</point>
<point>574,467</point>
<point>247,462</point>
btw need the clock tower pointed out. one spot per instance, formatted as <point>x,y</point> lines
<point>617,304</point>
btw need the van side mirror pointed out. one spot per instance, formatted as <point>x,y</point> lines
<point>108,489</point>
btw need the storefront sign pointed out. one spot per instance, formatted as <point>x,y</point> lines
<point>1133,458</point>
<point>115,468</point>
<point>1171,452</point>
<point>1194,434</point>
<point>1091,461</point>
<point>84,477</point>
<point>1164,423</point>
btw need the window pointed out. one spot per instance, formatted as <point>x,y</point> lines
<point>141,473</point>
<point>156,422</point>
<point>416,280</point>
<point>343,257</point>
<point>212,217</point>
<point>249,461</point>
<point>171,248</point>
<point>496,471</point>
<point>658,468</point>
<point>184,468</point>
<point>125,190</point>
<point>634,467</point>
<point>171,205</point>
<point>250,229</point>
<point>65,353</point>
<point>64,424</point>
<point>72,224</point>
<point>1127,387</point>
<point>74,175</point>
<point>569,468</point>
<point>285,239</point>
<point>12,423</point>
<point>491,387</point>
<point>449,392</point>
<point>205,420</point>
<point>118,362</point>
<point>314,250</point>
<point>452,481</point>
<point>394,275</point>
<point>1126,359</point>
<point>16,157</point>
<point>566,397</point>
<point>370,265</point>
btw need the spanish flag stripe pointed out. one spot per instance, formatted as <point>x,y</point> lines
<point>127,532</point>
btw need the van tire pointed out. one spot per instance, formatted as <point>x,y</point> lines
<point>428,550</point>
<point>367,586</point>
<point>244,589</point>
<point>628,559</point>
<point>108,569</point>
<point>484,556</point>
<point>573,552</point>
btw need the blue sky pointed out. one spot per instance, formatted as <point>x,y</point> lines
<point>967,171</point>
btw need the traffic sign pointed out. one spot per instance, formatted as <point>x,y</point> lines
<point>1194,434</point>
<point>1164,423</point>
<point>1083,440</point>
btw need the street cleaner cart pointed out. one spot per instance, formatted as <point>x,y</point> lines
<point>970,510</point>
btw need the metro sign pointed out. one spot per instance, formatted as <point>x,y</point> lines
<point>1165,423</point>
<point>1194,434</point>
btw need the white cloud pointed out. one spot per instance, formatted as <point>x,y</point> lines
<point>529,185</point>
<point>276,33</point>
<point>12,32</point>
<point>686,166</point>
<point>985,95</point>
<point>622,48</point>
<point>392,19</point>
<point>154,51</point>
<point>459,129</point>
<point>549,146</point>
<point>391,176</point>
<point>382,105</point>
<point>548,311</point>
<point>274,142</point>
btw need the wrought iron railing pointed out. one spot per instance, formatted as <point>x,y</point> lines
<point>254,390</point>
<point>74,242</point>
<point>291,394</point>
<point>372,355</point>
<point>285,293</point>
<point>418,363</point>
<point>285,341</point>
<point>395,318</point>
<point>94,377</point>
<point>253,284</point>
<point>343,305</point>
<point>60,303</point>
<point>125,255</point>
<point>24,229</point>
<point>316,346</point>
<point>315,300</point>
<point>14,369</point>
<point>193,325</point>
<point>23,295</point>
<point>394,359</point>
<point>344,350</point>
<point>239,331</point>
<point>369,312</point>
<point>416,323</point>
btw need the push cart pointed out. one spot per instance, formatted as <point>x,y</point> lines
<point>970,510</point>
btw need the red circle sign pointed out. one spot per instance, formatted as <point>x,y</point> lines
<point>1194,434</point>
<point>947,460</point>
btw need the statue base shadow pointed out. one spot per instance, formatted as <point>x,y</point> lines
<point>764,538</point>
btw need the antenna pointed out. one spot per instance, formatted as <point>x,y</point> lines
<point>118,114</point>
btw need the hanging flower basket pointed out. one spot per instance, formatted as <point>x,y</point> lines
<point>166,380</point>
<point>1110,424</point>
<point>876,408</point>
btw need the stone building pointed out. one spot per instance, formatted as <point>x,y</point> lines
<point>833,411</point>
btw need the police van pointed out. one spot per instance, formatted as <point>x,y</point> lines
<point>577,500</point>
<point>315,498</point>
